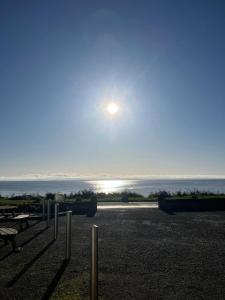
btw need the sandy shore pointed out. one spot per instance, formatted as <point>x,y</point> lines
<point>144,253</point>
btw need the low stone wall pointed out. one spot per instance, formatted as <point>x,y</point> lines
<point>192,204</point>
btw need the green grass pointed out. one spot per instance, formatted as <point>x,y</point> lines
<point>85,196</point>
<point>199,197</point>
<point>112,198</point>
<point>69,289</point>
<point>5,201</point>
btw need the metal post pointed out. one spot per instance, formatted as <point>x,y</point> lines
<point>56,220</point>
<point>48,212</point>
<point>94,263</point>
<point>43,209</point>
<point>68,234</point>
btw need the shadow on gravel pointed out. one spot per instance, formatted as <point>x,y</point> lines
<point>32,225</point>
<point>55,280</point>
<point>2,245</point>
<point>169,212</point>
<point>33,237</point>
<point>28,265</point>
<point>23,244</point>
<point>5,256</point>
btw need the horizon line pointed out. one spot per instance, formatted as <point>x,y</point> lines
<point>54,177</point>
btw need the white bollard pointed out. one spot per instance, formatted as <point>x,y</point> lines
<point>68,235</point>
<point>43,209</point>
<point>56,220</point>
<point>94,263</point>
<point>48,212</point>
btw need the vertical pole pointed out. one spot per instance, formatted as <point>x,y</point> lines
<point>68,234</point>
<point>94,263</point>
<point>48,212</point>
<point>56,220</point>
<point>43,209</point>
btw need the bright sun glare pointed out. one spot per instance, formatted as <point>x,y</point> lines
<point>112,108</point>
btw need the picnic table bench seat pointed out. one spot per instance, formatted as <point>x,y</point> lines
<point>9,234</point>
<point>22,218</point>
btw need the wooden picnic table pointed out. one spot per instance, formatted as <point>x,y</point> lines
<point>8,214</point>
<point>9,234</point>
<point>23,218</point>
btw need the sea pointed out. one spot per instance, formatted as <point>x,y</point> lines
<point>141,186</point>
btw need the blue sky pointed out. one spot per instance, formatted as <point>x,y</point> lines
<point>163,62</point>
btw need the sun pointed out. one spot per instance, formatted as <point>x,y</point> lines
<point>112,108</point>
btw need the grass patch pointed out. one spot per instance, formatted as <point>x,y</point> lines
<point>196,197</point>
<point>126,196</point>
<point>6,201</point>
<point>69,289</point>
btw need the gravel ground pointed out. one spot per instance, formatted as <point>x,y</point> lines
<point>144,253</point>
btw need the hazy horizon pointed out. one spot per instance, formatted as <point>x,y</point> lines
<point>58,177</point>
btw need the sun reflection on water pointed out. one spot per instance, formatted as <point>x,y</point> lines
<point>109,186</point>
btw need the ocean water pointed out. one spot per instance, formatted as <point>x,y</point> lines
<point>144,187</point>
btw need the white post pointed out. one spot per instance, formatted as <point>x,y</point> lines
<point>68,234</point>
<point>43,209</point>
<point>56,221</point>
<point>48,212</point>
<point>94,263</point>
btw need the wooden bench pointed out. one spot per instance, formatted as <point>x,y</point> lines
<point>9,234</point>
<point>23,218</point>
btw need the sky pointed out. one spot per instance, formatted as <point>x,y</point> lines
<point>161,62</point>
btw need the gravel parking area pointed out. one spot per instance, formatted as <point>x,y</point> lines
<point>144,253</point>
